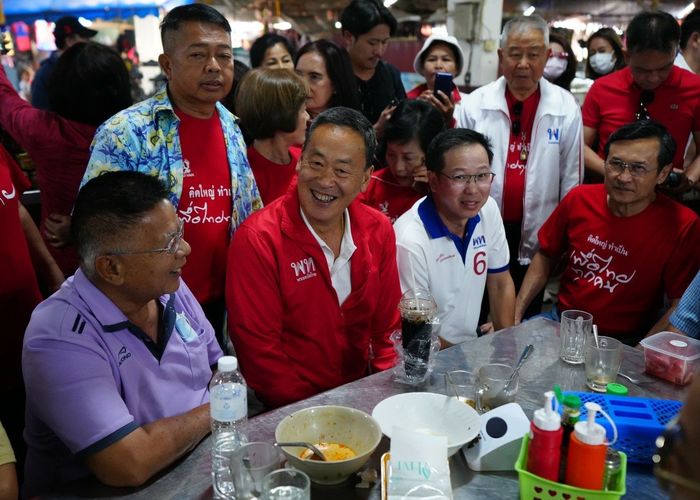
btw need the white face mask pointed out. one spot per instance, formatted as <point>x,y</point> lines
<point>602,62</point>
<point>554,68</point>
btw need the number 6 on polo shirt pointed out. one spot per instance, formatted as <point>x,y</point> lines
<point>480,262</point>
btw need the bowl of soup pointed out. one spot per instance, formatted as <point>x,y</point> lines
<point>346,437</point>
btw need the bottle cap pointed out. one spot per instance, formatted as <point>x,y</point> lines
<point>572,401</point>
<point>547,418</point>
<point>589,432</point>
<point>227,363</point>
<point>616,389</point>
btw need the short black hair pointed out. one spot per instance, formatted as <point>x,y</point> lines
<point>351,118</point>
<point>89,84</point>
<point>109,205</point>
<point>645,129</point>
<point>339,69</point>
<point>239,71</point>
<point>264,42</point>
<point>691,24</point>
<point>657,30</point>
<point>195,12</point>
<point>414,119</point>
<point>360,16</point>
<point>453,138</point>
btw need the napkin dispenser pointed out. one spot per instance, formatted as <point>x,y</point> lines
<point>498,444</point>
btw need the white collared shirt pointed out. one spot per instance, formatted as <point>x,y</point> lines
<point>340,267</point>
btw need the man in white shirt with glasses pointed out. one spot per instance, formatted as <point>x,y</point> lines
<point>452,243</point>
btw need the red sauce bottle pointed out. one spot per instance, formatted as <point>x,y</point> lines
<point>544,452</point>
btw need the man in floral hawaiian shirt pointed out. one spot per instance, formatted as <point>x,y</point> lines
<point>192,143</point>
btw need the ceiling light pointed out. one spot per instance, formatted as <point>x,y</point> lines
<point>686,10</point>
<point>389,3</point>
<point>529,11</point>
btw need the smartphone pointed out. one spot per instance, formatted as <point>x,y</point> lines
<point>443,83</point>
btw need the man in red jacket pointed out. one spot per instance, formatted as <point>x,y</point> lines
<point>312,286</point>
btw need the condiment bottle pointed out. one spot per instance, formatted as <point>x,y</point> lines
<point>545,441</point>
<point>613,469</point>
<point>587,451</point>
<point>571,411</point>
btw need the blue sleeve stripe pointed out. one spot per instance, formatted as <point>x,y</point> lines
<point>498,270</point>
<point>107,440</point>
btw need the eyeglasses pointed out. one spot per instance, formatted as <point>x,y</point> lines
<point>646,98</point>
<point>483,179</point>
<point>171,248</point>
<point>559,55</point>
<point>618,166</point>
<point>517,111</point>
<point>665,445</point>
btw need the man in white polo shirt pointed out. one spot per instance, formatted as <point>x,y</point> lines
<point>452,242</point>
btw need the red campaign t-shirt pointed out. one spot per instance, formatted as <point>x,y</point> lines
<point>514,181</point>
<point>205,205</point>
<point>19,290</point>
<point>619,268</point>
<point>386,195</point>
<point>272,178</point>
<point>613,101</point>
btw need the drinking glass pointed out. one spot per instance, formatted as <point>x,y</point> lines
<point>459,384</point>
<point>490,387</point>
<point>250,464</point>
<point>602,362</point>
<point>286,484</point>
<point>576,327</point>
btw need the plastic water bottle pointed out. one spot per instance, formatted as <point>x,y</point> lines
<point>229,416</point>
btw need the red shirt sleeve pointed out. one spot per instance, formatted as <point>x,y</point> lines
<point>19,179</point>
<point>590,112</point>
<point>552,235</point>
<point>255,308</point>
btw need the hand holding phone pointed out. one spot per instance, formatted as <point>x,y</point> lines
<point>443,83</point>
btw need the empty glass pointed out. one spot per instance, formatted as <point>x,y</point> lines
<point>249,466</point>
<point>490,387</point>
<point>286,484</point>
<point>576,327</point>
<point>602,362</point>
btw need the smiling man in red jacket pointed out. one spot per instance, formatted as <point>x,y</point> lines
<point>312,286</point>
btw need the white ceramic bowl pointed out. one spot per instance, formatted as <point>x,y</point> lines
<point>430,413</point>
<point>332,424</point>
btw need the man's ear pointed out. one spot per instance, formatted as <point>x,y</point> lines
<point>664,173</point>
<point>110,269</point>
<point>165,65</point>
<point>366,176</point>
<point>348,38</point>
<point>432,180</point>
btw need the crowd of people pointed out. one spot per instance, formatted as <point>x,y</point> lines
<point>172,231</point>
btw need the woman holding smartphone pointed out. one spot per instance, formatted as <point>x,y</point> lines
<point>438,59</point>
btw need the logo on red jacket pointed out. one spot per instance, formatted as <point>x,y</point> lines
<point>304,269</point>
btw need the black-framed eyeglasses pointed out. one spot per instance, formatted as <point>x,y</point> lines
<point>646,98</point>
<point>171,248</point>
<point>618,166</point>
<point>517,111</point>
<point>666,444</point>
<point>482,179</point>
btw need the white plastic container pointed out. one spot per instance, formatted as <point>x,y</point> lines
<point>671,356</point>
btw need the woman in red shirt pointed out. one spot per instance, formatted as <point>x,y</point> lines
<point>89,84</point>
<point>271,105</point>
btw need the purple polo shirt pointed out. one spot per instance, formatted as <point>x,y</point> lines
<point>92,377</point>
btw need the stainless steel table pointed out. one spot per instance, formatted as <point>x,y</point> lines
<point>190,478</point>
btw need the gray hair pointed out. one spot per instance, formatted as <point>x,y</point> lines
<point>522,24</point>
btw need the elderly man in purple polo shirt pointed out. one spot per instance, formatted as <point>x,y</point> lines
<point>117,362</point>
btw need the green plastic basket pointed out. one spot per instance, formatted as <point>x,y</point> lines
<point>533,487</point>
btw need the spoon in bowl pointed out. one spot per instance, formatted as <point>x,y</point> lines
<point>304,444</point>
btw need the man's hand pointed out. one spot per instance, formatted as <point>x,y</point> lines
<point>57,230</point>
<point>384,117</point>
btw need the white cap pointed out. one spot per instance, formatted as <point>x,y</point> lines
<point>227,363</point>
<point>589,432</point>
<point>547,419</point>
<point>447,39</point>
